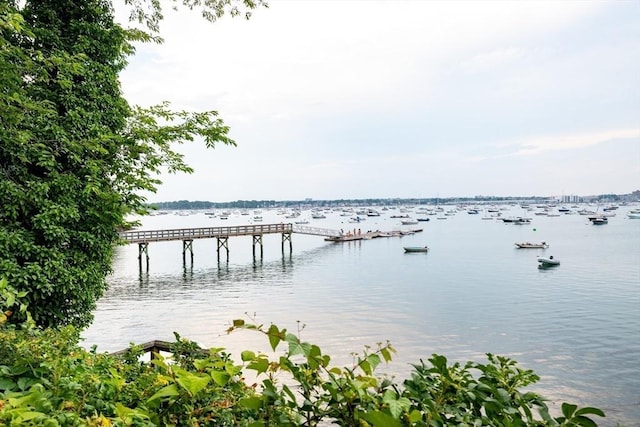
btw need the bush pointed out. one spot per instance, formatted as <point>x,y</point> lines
<point>46,379</point>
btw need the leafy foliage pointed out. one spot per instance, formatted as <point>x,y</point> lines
<point>74,156</point>
<point>47,379</point>
<point>150,12</point>
<point>437,394</point>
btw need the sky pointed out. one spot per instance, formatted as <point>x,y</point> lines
<point>346,99</point>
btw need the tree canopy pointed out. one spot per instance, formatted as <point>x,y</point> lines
<point>74,155</point>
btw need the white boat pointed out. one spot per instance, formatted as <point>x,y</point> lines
<point>409,221</point>
<point>527,245</point>
<point>547,262</point>
<point>633,213</point>
<point>412,249</point>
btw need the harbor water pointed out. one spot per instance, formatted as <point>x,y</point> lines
<point>576,325</point>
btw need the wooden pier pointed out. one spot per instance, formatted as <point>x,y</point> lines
<point>222,235</point>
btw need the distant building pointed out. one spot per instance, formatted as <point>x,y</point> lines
<point>571,199</point>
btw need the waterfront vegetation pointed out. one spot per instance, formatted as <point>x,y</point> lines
<point>75,157</point>
<point>47,379</point>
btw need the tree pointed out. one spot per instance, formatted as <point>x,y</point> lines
<point>74,155</point>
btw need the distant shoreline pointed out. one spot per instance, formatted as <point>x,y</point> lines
<point>310,203</point>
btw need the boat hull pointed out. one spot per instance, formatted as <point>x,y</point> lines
<point>547,262</point>
<point>411,249</point>
<point>527,245</point>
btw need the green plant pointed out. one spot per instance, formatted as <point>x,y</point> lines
<point>46,379</point>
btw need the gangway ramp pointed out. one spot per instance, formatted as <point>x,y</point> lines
<point>315,231</point>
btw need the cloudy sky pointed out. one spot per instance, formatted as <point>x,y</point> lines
<point>354,99</point>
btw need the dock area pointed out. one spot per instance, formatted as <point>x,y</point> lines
<point>256,231</point>
<point>368,235</point>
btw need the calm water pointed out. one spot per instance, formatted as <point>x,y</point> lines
<point>576,325</point>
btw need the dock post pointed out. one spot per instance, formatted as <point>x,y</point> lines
<point>143,248</point>
<point>187,245</point>
<point>223,242</point>
<point>257,238</point>
<point>287,236</point>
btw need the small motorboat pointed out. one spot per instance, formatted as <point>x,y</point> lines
<point>599,220</point>
<point>527,245</point>
<point>408,249</point>
<point>547,262</point>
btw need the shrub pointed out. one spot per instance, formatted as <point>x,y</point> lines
<point>47,379</point>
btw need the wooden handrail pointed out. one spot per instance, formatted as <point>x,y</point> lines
<point>155,347</point>
<point>143,236</point>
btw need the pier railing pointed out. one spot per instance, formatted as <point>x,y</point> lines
<point>145,236</point>
<point>315,231</point>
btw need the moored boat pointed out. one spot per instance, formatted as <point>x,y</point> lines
<point>516,220</point>
<point>415,249</point>
<point>599,220</point>
<point>527,245</point>
<point>547,262</point>
<point>409,221</point>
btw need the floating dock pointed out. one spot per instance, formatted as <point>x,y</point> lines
<point>368,235</point>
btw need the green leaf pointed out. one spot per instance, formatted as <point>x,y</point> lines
<point>275,336</point>
<point>168,391</point>
<point>247,355</point>
<point>583,421</point>
<point>386,354</point>
<point>568,409</point>
<point>415,416</point>
<point>590,410</point>
<point>374,360</point>
<point>192,383</point>
<point>260,365</point>
<point>380,419</point>
<point>28,415</point>
<point>221,378</point>
<point>253,402</point>
<point>6,384</point>
<point>288,392</point>
<point>396,405</point>
<point>297,347</point>
<point>314,358</point>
